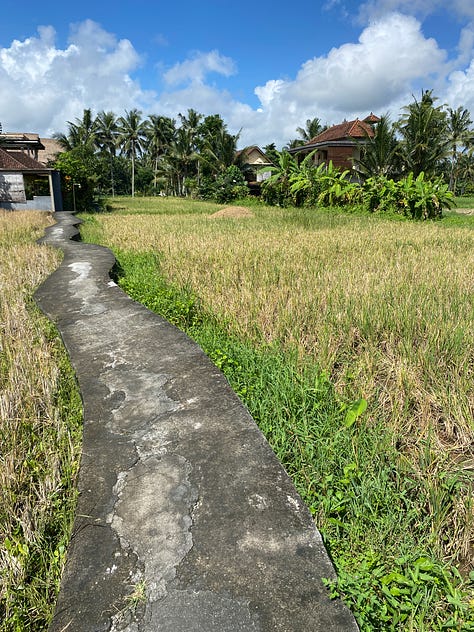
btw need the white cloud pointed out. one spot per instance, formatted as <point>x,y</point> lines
<point>381,70</point>
<point>42,86</point>
<point>378,73</point>
<point>200,65</point>
<point>460,91</point>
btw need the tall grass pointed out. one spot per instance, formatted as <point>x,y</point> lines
<point>40,415</point>
<point>308,312</point>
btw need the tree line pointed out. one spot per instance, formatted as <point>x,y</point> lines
<point>123,155</point>
<point>196,154</point>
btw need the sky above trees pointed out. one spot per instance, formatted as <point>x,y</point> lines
<point>264,67</point>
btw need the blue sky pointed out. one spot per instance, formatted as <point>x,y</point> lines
<point>264,66</point>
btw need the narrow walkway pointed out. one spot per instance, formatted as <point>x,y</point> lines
<point>186,520</point>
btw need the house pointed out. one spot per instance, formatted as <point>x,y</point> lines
<point>255,165</point>
<point>341,143</point>
<point>26,182</point>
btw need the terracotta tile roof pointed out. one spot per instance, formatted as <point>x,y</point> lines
<point>18,161</point>
<point>344,131</point>
<point>372,118</point>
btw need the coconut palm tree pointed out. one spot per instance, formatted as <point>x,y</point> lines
<point>460,137</point>
<point>424,141</point>
<point>217,147</point>
<point>378,153</point>
<point>312,128</point>
<point>131,136</point>
<point>106,139</point>
<point>80,133</point>
<point>159,133</point>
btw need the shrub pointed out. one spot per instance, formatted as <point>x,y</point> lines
<point>228,186</point>
<point>417,198</point>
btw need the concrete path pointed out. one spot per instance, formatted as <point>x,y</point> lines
<point>186,520</point>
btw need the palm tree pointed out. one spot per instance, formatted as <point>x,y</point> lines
<point>185,148</point>
<point>217,147</point>
<point>378,153</point>
<point>130,138</point>
<point>184,156</point>
<point>160,133</point>
<point>272,152</point>
<point>423,128</point>
<point>459,136</point>
<point>312,128</point>
<point>106,139</point>
<point>80,133</point>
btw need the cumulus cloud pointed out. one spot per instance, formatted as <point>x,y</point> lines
<point>375,73</point>
<point>460,90</point>
<point>42,86</point>
<point>379,72</point>
<point>200,65</point>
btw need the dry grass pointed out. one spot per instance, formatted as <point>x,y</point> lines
<point>37,452</point>
<point>386,308</point>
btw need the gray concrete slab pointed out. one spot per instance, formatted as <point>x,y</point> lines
<point>186,520</point>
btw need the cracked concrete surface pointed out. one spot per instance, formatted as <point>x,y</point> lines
<point>186,521</point>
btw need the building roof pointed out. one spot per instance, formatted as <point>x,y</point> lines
<point>51,149</point>
<point>244,155</point>
<point>372,119</point>
<point>22,140</point>
<point>344,131</point>
<point>18,161</point>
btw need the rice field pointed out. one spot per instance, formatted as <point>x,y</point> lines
<point>40,416</point>
<point>385,310</point>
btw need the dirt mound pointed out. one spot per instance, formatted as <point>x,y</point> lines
<point>233,211</point>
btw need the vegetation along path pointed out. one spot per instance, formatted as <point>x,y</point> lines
<point>186,520</point>
<point>350,339</point>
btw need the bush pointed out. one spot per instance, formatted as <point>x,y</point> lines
<point>228,186</point>
<point>417,198</point>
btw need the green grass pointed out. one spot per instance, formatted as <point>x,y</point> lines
<point>464,202</point>
<point>311,316</point>
<point>156,205</point>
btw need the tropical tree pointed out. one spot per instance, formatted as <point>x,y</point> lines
<point>465,173</point>
<point>379,153</point>
<point>312,128</point>
<point>160,132</point>
<point>217,147</point>
<point>78,169</point>
<point>80,133</point>
<point>460,137</point>
<point>184,153</point>
<point>276,188</point>
<point>272,152</point>
<point>424,142</point>
<point>106,139</point>
<point>131,136</point>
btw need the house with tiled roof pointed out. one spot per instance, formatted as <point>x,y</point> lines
<point>340,143</point>
<point>255,166</point>
<point>27,183</point>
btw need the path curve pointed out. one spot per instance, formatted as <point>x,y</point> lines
<point>186,521</point>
